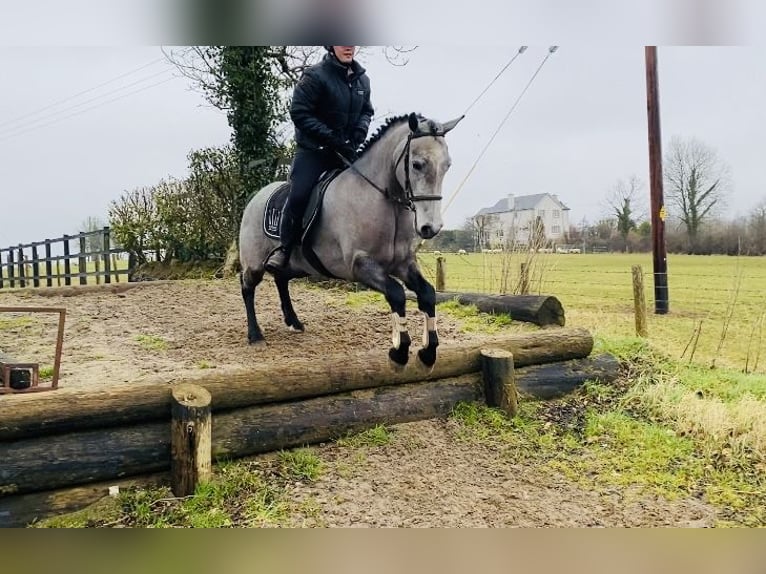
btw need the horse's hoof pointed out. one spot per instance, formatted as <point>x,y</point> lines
<point>256,341</point>
<point>427,357</point>
<point>396,367</point>
<point>296,327</point>
<point>399,356</point>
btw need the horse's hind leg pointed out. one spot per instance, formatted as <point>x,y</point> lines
<point>249,280</point>
<point>371,274</point>
<point>415,281</point>
<point>291,319</point>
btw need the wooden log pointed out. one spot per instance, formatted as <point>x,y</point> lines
<point>45,463</point>
<point>542,310</point>
<point>24,509</point>
<point>557,379</point>
<point>498,379</point>
<point>75,409</point>
<point>258,429</point>
<point>190,432</point>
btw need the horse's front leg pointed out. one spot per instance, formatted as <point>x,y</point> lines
<point>415,281</point>
<point>368,272</point>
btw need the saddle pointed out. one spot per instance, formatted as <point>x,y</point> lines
<point>272,215</point>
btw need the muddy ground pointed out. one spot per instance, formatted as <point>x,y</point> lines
<point>426,476</point>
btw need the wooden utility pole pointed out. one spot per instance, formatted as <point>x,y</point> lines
<point>661,297</point>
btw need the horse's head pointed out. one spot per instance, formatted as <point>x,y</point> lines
<point>422,159</point>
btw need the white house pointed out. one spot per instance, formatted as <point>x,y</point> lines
<point>511,219</point>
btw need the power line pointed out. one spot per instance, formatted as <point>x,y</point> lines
<point>24,127</point>
<point>66,99</point>
<point>11,136</point>
<point>522,49</point>
<point>551,50</point>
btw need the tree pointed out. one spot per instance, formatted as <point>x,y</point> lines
<point>622,201</point>
<point>695,182</point>
<point>481,228</point>
<point>537,237</point>
<point>93,243</point>
<point>757,229</point>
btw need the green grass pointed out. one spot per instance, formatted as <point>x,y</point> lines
<point>378,435</point>
<point>596,292</point>
<point>151,342</point>
<point>14,323</point>
<point>666,428</point>
<point>300,464</point>
<point>471,320</point>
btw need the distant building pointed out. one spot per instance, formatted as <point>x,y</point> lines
<point>511,220</point>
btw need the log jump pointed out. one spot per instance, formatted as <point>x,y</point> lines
<point>71,439</point>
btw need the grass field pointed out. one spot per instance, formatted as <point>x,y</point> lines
<point>597,293</point>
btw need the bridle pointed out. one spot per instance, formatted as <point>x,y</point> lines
<point>408,199</point>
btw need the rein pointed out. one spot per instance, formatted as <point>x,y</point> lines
<point>409,198</point>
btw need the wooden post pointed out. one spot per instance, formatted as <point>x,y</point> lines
<point>48,265</point>
<point>190,439</point>
<point>82,262</point>
<point>639,302</point>
<point>524,279</point>
<point>499,384</point>
<point>116,270</point>
<point>35,267</point>
<point>656,191</point>
<point>440,274</point>
<point>11,270</point>
<point>22,270</point>
<point>2,268</point>
<point>107,248</point>
<point>67,264</point>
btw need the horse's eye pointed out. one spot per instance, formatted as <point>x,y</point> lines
<point>418,165</point>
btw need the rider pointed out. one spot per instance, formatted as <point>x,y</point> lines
<point>331,111</point>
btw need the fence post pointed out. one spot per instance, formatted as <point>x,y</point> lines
<point>499,380</point>
<point>82,262</point>
<point>67,264</point>
<point>116,270</point>
<point>35,267</point>
<point>22,274</point>
<point>106,255</point>
<point>440,278</point>
<point>11,268</point>
<point>2,269</point>
<point>48,266</point>
<point>190,438</point>
<point>639,301</point>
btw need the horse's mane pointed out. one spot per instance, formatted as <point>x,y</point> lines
<point>390,122</point>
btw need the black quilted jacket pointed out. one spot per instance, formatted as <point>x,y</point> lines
<point>331,104</point>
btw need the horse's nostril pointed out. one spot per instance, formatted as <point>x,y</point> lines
<point>427,231</point>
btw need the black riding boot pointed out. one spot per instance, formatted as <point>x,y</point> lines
<point>287,237</point>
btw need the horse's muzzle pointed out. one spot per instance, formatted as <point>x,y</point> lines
<point>427,231</point>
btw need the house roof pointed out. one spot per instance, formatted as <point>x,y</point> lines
<point>520,203</point>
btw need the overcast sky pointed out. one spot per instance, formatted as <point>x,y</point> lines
<point>579,128</point>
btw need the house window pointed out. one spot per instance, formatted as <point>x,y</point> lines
<point>556,214</point>
<point>556,229</point>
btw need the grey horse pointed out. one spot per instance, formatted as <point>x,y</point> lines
<point>371,217</point>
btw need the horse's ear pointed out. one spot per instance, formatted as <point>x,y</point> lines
<point>414,122</point>
<point>447,126</point>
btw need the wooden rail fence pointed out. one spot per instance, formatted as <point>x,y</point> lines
<point>34,265</point>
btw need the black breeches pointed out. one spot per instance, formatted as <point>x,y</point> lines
<point>307,166</point>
